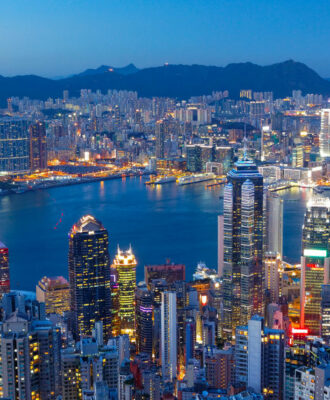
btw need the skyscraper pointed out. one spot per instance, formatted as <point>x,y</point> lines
<point>4,270</point>
<point>144,323</point>
<point>259,353</point>
<point>55,293</point>
<point>274,224</point>
<point>314,263</point>
<point>38,147</point>
<point>325,313</point>
<point>14,145</point>
<point>243,246</point>
<point>325,133</point>
<point>125,264</point>
<point>168,336</point>
<point>160,139</point>
<point>89,275</point>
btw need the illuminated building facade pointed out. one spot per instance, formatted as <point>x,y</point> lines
<point>115,320</point>
<point>259,353</point>
<point>89,276</point>
<point>55,293</point>
<point>14,145</point>
<point>168,336</point>
<point>325,313</point>
<point>243,246</point>
<point>314,263</point>
<point>272,262</point>
<point>125,264</point>
<point>38,146</point>
<point>4,270</point>
<point>144,323</point>
<point>161,134</point>
<point>325,133</point>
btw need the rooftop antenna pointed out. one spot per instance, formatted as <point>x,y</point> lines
<point>245,147</point>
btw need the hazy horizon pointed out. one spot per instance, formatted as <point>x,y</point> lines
<point>64,37</point>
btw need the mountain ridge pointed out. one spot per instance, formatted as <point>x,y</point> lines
<point>173,80</point>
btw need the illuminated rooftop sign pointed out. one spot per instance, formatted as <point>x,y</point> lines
<point>315,253</point>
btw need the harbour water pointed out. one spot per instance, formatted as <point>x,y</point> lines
<point>160,222</point>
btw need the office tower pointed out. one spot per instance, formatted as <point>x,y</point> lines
<point>4,270</point>
<point>168,336</point>
<point>38,146</point>
<point>143,313</point>
<point>325,133</point>
<point>272,265</point>
<point>312,383</point>
<point>55,293</point>
<point>219,367</point>
<point>274,224</point>
<point>160,131</point>
<point>115,320</point>
<point>125,264</point>
<point>243,246</point>
<point>325,313</point>
<point>259,353</point>
<point>314,263</point>
<point>220,245</point>
<point>170,272</point>
<point>89,276</point>
<point>14,145</point>
<point>151,381</point>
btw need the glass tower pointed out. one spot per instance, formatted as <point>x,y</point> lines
<point>314,263</point>
<point>243,246</point>
<point>89,275</point>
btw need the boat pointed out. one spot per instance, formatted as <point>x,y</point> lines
<point>321,188</point>
<point>161,180</point>
<point>186,180</point>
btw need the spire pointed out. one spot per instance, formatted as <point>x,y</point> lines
<point>245,147</point>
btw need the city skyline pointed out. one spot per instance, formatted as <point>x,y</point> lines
<point>210,33</point>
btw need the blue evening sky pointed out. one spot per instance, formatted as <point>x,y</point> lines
<point>59,37</point>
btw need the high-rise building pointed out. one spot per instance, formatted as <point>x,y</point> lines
<point>314,263</point>
<point>259,353</point>
<point>144,323</point>
<point>125,264</point>
<point>29,358</point>
<point>243,246</point>
<point>169,336</point>
<point>55,293</point>
<point>14,145</point>
<point>38,146</point>
<point>115,320</point>
<point>325,313</point>
<point>272,262</point>
<point>219,367</point>
<point>274,224</point>
<point>325,133</point>
<point>160,139</point>
<point>4,270</point>
<point>89,276</point>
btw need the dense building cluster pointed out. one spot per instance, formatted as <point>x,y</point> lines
<point>256,327</point>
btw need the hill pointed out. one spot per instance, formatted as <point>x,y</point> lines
<point>179,81</point>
